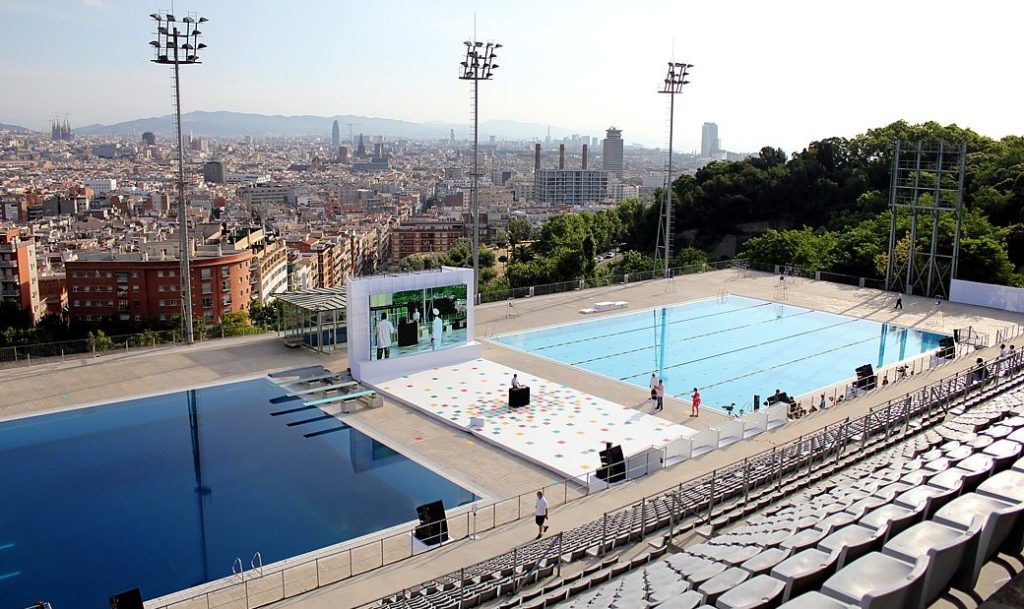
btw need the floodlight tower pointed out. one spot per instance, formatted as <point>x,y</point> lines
<point>674,81</point>
<point>479,65</point>
<point>177,43</point>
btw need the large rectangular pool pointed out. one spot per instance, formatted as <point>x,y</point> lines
<point>165,492</point>
<point>730,348</point>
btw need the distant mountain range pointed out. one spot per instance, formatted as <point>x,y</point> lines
<point>14,128</point>
<point>237,124</point>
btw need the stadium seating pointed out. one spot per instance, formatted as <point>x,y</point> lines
<point>889,510</point>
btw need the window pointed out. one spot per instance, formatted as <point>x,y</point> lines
<point>225,272</point>
<point>88,318</point>
<point>172,273</point>
<point>77,288</point>
<point>225,285</point>
<point>109,275</point>
<point>205,273</point>
<point>207,288</point>
<point>78,303</point>
<point>163,317</point>
<point>160,288</point>
<point>135,288</point>
<point>135,274</point>
<point>208,315</point>
<point>122,277</point>
<point>226,301</point>
<point>87,288</point>
<point>207,302</point>
<point>138,318</point>
<point>88,303</point>
<point>159,273</point>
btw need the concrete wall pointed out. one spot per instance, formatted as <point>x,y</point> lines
<point>987,295</point>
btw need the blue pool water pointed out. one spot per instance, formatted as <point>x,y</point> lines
<point>731,348</point>
<point>142,493</point>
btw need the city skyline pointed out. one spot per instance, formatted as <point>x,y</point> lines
<point>784,85</point>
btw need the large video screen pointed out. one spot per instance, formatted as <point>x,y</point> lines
<point>417,321</point>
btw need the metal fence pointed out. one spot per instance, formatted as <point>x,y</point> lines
<point>27,355</point>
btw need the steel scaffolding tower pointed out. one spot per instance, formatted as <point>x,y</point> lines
<point>927,187</point>
<point>674,82</point>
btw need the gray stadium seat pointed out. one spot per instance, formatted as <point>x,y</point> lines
<point>756,593</point>
<point>1003,453</point>
<point>926,499</point>
<point>804,571</point>
<point>877,581</point>
<point>765,561</point>
<point>942,546</point>
<point>852,542</point>
<point>999,518</point>
<point>893,518</point>
<point>686,600</point>
<point>815,600</point>
<point>1008,486</point>
<point>722,583</point>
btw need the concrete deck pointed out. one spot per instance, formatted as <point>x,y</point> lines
<point>118,376</point>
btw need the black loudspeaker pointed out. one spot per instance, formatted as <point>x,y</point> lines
<point>947,348</point>
<point>865,371</point>
<point>613,465</point>
<point>129,599</point>
<point>757,402</point>
<point>433,529</point>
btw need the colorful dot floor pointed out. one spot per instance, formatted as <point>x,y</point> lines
<point>562,429</point>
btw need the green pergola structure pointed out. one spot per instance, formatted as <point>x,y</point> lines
<point>315,318</point>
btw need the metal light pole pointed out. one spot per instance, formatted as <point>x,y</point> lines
<point>174,46</point>
<point>674,81</point>
<point>479,65</point>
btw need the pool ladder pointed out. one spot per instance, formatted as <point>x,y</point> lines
<point>255,564</point>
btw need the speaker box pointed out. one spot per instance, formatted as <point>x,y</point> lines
<point>757,402</point>
<point>433,529</point>
<point>866,383</point>
<point>613,465</point>
<point>947,348</point>
<point>864,371</point>
<point>129,599</point>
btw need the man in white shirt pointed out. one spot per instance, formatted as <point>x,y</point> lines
<point>436,328</point>
<point>384,332</point>
<point>515,381</point>
<point>541,514</point>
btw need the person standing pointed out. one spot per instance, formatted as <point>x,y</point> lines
<point>384,332</point>
<point>899,301</point>
<point>695,403</point>
<point>654,390</point>
<point>659,396</point>
<point>436,329</point>
<point>541,514</point>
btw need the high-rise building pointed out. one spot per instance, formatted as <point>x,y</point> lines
<point>213,172</point>
<point>19,279</point>
<point>335,135</point>
<point>361,148</point>
<point>612,154</point>
<point>709,144</point>
<point>570,186</point>
<point>149,138</point>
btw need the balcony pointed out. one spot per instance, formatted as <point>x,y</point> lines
<point>10,293</point>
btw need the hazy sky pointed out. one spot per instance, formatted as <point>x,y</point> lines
<point>779,73</point>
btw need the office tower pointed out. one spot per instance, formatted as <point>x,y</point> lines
<point>584,162</point>
<point>335,135</point>
<point>451,137</point>
<point>561,156</point>
<point>149,138</point>
<point>213,172</point>
<point>536,157</point>
<point>612,153</point>
<point>709,144</point>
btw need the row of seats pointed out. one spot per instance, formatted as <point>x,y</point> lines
<point>717,501</point>
<point>894,531</point>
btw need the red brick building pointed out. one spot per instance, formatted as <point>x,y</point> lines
<point>19,282</point>
<point>137,287</point>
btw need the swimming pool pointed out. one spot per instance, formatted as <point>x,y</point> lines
<point>165,492</point>
<point>730,348</point>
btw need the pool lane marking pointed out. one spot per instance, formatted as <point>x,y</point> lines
<point>7,546</point>
<point>647,327</point>
<point>10,575</point>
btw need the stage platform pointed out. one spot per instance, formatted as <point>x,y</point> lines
<point>562,429</point>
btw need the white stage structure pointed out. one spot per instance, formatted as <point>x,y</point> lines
<point>365,368</point>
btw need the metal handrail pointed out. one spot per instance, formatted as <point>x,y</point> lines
<point>237,568</point>
<point>256,562</point>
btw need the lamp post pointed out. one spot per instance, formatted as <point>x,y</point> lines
<point>674,81</point>
<point>479,65</point>
<point>177,43</point>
